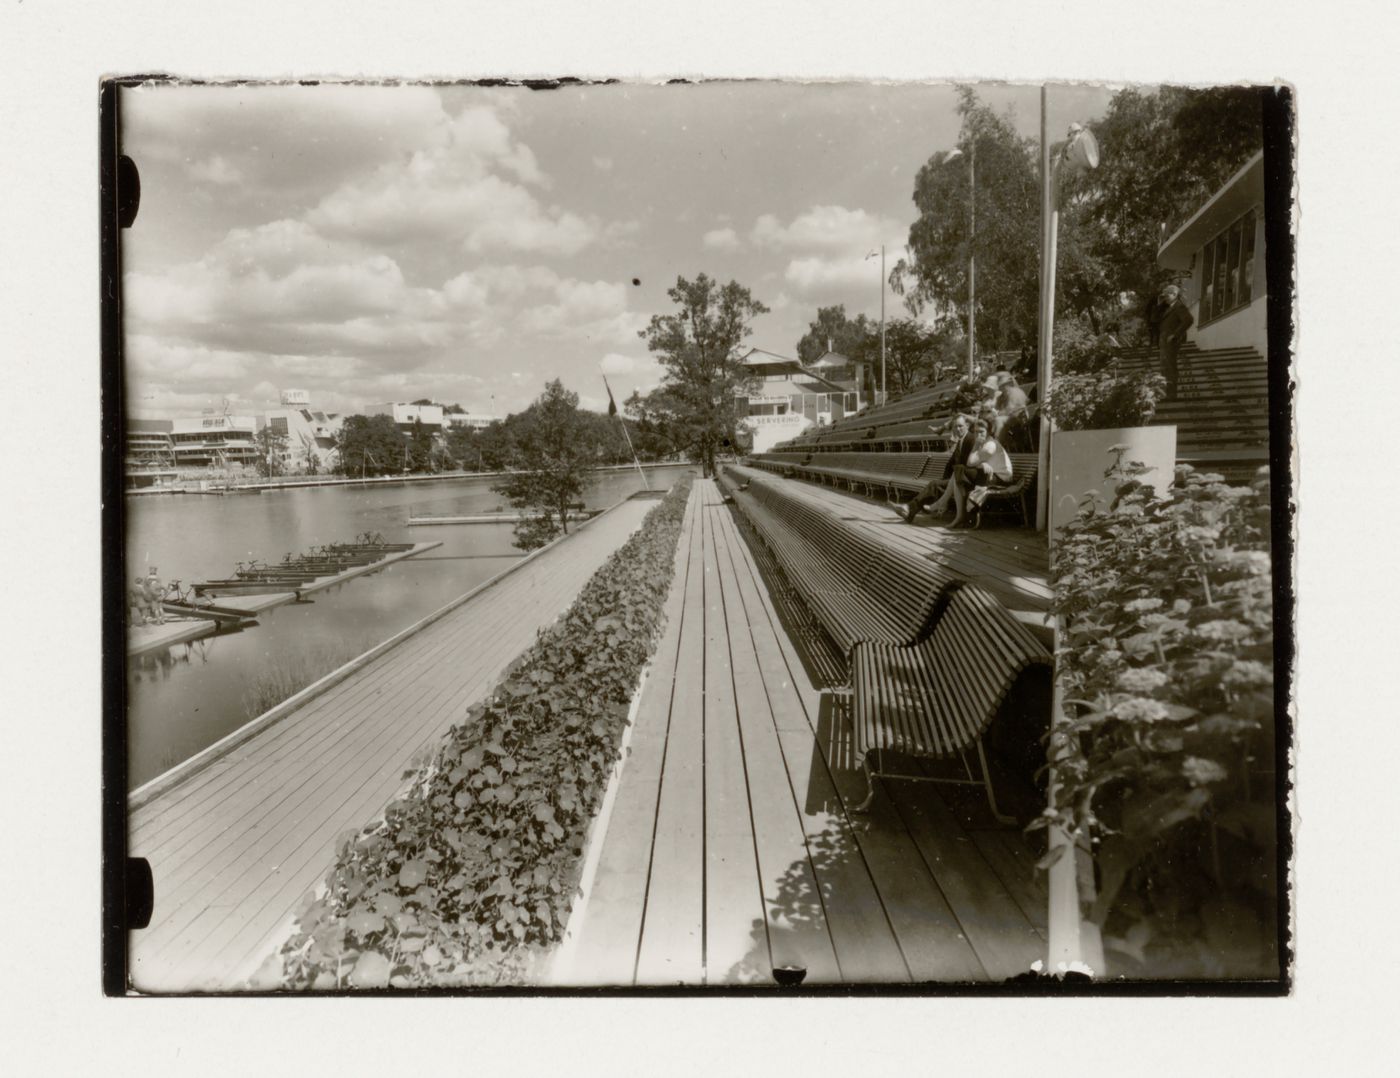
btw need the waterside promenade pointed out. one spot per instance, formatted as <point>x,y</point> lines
<point>239,834</point>
<point>731,847</point>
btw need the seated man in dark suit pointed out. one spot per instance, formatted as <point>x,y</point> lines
<point>961,443</point>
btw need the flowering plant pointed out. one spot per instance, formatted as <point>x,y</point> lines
<point>1104,399</point>
<point>1166,757</point>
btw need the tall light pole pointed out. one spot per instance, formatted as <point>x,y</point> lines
<point>1079,153</point>
<point>1069,939</point>
<point>884,396</point>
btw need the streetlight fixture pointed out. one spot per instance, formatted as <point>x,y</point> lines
<point>883,395</point>
<point>1069,940</point>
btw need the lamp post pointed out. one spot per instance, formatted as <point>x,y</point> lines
<point>1070,940</point>
<point>884,396</point>
<point>1079,153</point>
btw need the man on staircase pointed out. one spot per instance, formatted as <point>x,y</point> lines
<point>1176,321</point>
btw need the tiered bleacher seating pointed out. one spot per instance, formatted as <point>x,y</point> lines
<point>933,658</point>
<point>887,475</point>
<point>1222,416</point>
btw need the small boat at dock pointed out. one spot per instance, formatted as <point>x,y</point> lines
<point>266,586</point>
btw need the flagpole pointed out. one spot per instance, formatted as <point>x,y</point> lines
<point>623,423</point>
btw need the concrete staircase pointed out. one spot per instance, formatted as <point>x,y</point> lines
<point>1222,413</point>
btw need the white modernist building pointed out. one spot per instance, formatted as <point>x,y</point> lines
<point>786,398</point>
<point>430,415</point>
<point>1219,254</point>
<point>308,431</point>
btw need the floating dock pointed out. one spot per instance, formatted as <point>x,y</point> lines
<point>147,638</point>
<point>489,518</point>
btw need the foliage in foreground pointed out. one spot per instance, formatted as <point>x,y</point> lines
<point>1167,665</point>
<point>474,868</point>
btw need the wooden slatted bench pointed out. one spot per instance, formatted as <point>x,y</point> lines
<point>1015,496</point>
<point>936,698</point>
<point>858,587</point>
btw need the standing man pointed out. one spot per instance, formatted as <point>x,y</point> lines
<point>1176,320</point>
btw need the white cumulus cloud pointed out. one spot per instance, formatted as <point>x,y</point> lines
<point>721,239</point>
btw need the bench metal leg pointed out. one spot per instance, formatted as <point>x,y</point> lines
<point>987,782</point>
<point>864,806</point>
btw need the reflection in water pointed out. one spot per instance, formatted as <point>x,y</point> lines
<point>185,698</point>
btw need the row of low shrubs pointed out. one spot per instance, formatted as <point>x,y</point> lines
<point>472,871</point>
<point>1167,760</point>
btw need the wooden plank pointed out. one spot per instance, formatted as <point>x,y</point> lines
<point>144,639</point>
<point>795,929</point>
<point>866,948</point>
<point>607,937</point>
<point>1004,939</point>
<point>1014,865</point>
<point>734,913</point>
<point>672,939</point>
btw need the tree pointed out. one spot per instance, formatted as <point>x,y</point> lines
<point>844,334</point>
<point>369,445</point>
<point>705,382</point>
<point>310,458</point>
<point>554,454</point>
<point>1163,153</point>
<point>916,354</point>
<point>420,447</point>
<point>1006,240</point>
<point>651,421</point>
<point>272,446</point>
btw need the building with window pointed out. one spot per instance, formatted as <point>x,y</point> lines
<point>308,432</point>
<point>474,420</point>
<point>430,415</point>
<point>149,457</point>
<point>786,398</point>
<point>1219,253</point>
<point>214,441</point>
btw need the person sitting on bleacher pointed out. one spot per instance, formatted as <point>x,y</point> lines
<point>988,465</point>
<point>961,445</point>
<point>1011,409</point>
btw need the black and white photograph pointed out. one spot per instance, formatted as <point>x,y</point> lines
<point>717,535</point>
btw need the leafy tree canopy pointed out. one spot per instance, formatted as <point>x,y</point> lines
<point>846,335</point>
<point>1162,153</point>
<point>554,452</point>
<point>369,445</point>
<point>698,345</point>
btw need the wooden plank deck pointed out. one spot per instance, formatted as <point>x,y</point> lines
<point>732,847</point>
<point>236,845</point>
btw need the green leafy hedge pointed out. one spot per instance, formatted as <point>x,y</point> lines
<point>473,870</point>
<point>1167,761</point>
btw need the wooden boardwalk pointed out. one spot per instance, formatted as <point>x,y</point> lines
<point>236,844</point>
<point>730,847</point>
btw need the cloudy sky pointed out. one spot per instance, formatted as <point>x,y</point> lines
<point>378,243</point>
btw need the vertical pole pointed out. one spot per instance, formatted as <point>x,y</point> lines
<point>1049,223</point>
<point>972,261</point>
<point>884,393</point>
<point>1071,942</point>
